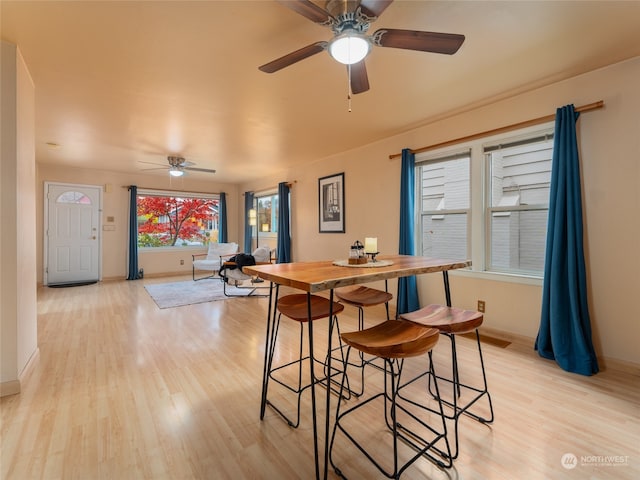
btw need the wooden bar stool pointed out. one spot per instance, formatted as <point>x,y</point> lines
<point>420,435</point>
<point>296,307</point>
<point>362,297</point>
<point>450,322</point>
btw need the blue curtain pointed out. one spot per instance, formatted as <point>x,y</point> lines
<point>133,272</point>
<point>284,230</point>
<point>222,227</point>
<point>565,328</point>
<point>407,300</point>
<point>248,205</point>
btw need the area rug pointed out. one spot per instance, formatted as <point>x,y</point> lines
<point>179,294</point>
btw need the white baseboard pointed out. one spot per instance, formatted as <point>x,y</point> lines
<point>30,366</point>
<point>12,387</point>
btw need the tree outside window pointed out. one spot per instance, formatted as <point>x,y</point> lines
<point>166,221</point>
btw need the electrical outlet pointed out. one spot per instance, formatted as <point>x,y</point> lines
<point>481,306</point>
<point>181,262</point>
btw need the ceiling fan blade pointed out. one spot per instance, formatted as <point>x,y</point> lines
<point>359,78</point>
<point>293,57</point>
<point>149,169</point>
<point>309,10</point>
<point>151,163</point>
<point>194,169</point>
<point>447,43</point>
<point>374,8</point>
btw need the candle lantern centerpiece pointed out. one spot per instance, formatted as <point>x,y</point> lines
<point>356,254</point>
<point>371,247</point>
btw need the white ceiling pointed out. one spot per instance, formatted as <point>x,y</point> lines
<point>118,83</point>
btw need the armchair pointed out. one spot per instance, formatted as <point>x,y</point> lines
<point>211,260</point>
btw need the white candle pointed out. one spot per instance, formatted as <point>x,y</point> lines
<point>370,245</point>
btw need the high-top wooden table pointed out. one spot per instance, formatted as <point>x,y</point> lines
<point>314,277</point>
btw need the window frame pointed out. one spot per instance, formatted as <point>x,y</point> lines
<point>457,153</point>
<point>509,140</point>
<point>479,217</point>
<point>146,192</point>
<point>256,232</point>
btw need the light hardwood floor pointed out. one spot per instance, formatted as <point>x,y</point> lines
<point>124,390</point>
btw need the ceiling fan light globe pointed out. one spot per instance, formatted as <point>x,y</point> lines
<point>349,48</point>
<point>175,172</point>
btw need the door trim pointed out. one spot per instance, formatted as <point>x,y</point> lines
<point>45,240</point>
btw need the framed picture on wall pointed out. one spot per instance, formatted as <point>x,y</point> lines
<point>331,203</point>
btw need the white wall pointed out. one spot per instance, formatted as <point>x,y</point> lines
<point>610,155</point>
<point>18,315</point>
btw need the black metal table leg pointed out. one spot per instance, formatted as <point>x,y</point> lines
<point>313,388</point>
<point>447,288</point>
<point>268,347</point>
<point>328,411</point>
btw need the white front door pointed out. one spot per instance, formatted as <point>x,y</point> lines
<point>72,242</point>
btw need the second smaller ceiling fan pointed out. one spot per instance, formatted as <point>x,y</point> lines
<point>177,166</point>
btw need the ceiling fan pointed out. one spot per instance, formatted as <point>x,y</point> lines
<point>350,20</point>
<point>177,166</point>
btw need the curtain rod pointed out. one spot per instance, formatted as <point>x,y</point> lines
<point>169,190</point>
<point>528,123</point>
<point>267,189</point>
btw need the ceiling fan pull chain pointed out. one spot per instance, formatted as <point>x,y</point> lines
<point>349,87</point>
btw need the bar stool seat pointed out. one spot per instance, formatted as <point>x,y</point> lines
<point>362,297</point>
<point>393,341</point>
<point>452,321</point>
<point>446,319</point>
<point>296,308</point>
